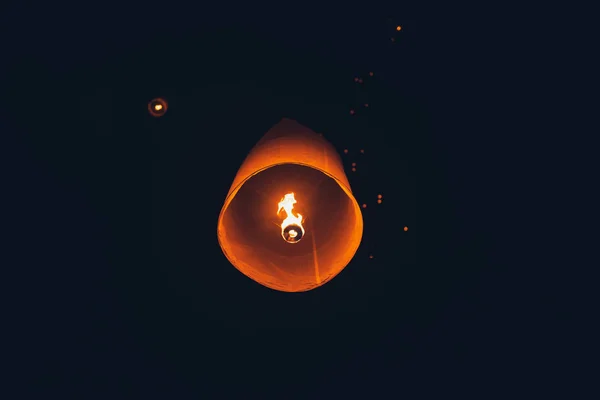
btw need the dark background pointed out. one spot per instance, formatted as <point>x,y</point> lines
<point>115,278</point>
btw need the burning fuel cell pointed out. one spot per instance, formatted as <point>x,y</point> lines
<point>291,227</point>
<point>317,227</point>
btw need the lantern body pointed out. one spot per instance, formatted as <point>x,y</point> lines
<point>290,158</point>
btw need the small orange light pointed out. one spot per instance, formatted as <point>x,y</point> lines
<point>353,169</point>
<point>366,104</point>
<point>379,201</point>
<point>362,151</point>
<point>405,228</point>
<point>398,28</point>
<point>345,151</point>
<point>370,74</point>
<point>371,256</point>
<point>157,107</point>
<point>379,196</point>
<point>364,205</point>
<point>354,164</point>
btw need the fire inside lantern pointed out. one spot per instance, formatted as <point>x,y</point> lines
<point>291,227</point>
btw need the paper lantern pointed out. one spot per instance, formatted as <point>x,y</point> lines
<point>290,221</point>
<point>157,107</point>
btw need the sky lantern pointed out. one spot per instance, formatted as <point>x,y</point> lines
<point>290,221</point>
<point>398,28</point>
<point>158,107</point>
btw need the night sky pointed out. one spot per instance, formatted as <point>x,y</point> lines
<point>119,286</point>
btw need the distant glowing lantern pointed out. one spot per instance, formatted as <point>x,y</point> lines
<point>405,228</point>
<point>362,151</point>
<point>364,205</point>
<point>370,74</point>
<point>366,104</point>
<point>157,107</point>
<point>354,164</point>
<point>398,28</point>
<point>290,221</point>
<point>345,151</point>
<point>379,201</point>
<point>353,169</point>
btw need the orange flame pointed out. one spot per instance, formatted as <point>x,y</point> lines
<point>287,204</point>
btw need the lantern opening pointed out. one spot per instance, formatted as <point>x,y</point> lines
<point>252,239</point>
